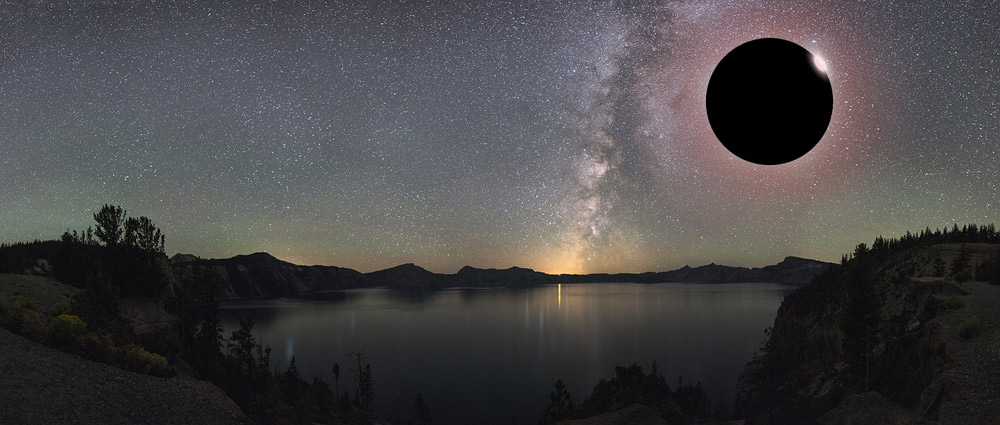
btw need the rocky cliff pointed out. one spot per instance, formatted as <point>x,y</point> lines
<point>262,275</point>
<point>888,333</point>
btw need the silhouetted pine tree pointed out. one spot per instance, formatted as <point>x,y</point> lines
<point>366,384</point>
<point>560,405</point>
<point>421,409</point>
<point>110,225</point>
<point>961,261</point>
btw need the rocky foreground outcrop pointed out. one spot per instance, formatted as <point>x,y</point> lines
<point>894,338</point>
<point>42,385</point>
<point>635,414</point>
<point>871,408</point>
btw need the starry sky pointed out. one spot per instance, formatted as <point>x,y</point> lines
<point>562,136</point>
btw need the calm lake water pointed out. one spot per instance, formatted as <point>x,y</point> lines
<point>492,356</point>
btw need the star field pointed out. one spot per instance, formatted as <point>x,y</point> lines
<point>561,136</point>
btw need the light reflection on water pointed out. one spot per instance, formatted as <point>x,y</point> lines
<point>493,355</point>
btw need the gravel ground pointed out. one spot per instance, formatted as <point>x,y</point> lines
<point>41,385</point>
<point>976,371</point>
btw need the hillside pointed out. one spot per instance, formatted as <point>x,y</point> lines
<point>901,333</point>
<point>47,295</point>
<point>42,385</point>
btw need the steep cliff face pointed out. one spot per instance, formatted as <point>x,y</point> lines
<point>262,275</point>
<point>882,325</point>
<point>794,271</point>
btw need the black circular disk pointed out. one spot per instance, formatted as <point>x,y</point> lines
<point>769,101</point>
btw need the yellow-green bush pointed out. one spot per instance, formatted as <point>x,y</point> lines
<point>136,358</point>
<point>16,314</point>
<point>66,328</point>
<point>34,325</point>
<point>69,332</point>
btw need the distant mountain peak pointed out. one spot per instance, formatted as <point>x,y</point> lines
<point>521,269</point>
<point>408,274</point>
<point>405,267</point>
<point>259,256</point>
<point>262,274</point>
<point>180,258</point>
<point>794,259</point>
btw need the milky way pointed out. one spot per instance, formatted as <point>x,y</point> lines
<point>562,136</point>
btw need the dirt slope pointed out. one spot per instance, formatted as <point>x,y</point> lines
<point>41,385</point>
<point>970,389</point>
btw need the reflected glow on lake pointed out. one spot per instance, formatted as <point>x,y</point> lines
<point>490,356</point>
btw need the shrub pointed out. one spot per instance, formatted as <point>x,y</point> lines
<point>16,314</point>
<point>17,300</point>
<point>136,358</point>
<point>63,308</point>
<point>101,347</point>
<point>7,311</point>
<point>989,270</point>
<point>953,302</point>
<point>66,328</point>
<point>964,275</point>
<point>969,328</point>
<point>34,326</point>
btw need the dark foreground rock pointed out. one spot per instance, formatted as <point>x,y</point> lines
<point>635,414</point>
<point>42,385</point>
<point>871,409</point>
<point>894,336</point>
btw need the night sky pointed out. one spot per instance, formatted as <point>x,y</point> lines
<point>561,136</point>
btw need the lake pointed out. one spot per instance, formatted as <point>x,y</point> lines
<point>491,356</point>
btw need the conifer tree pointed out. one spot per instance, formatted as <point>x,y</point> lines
<point>110,225</point>
<point>423,411</point>
<point>961,262</point>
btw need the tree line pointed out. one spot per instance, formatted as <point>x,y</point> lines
<point>685,403</point>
